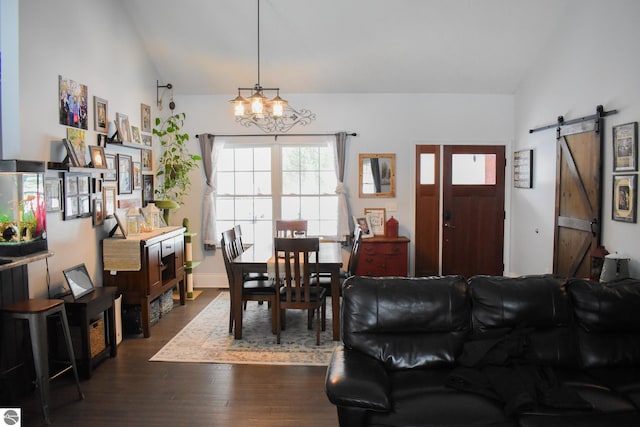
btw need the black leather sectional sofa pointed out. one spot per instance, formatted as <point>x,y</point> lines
<point>488,351</point>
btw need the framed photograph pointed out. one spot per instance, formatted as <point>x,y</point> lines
<point>137,176</point>
<point>71,207</point>
<point>71,158</point>
<point>121,224</point>
<point>77,141</point>
<point>96,185</point>
<point>98,212</point>
<point>84,184</point>
<point>125,174</point>
<point>377,220</point>
<point>124,128</point>
<point>135,134</point>
<point>72,103</point>
<point>624,198</point>
<point>147,163</point>
<point>100,121</point>
<point>146,139</point>
<point>625,147</point>
<point>110,162</point>
<point>523,169</point>
<point>109,200</point>
<point>70,184</point>
<point>147,189</point>
<point>84,206</point>
<point>97,157</point>
<point>145,117</point>
<point>365,226</point>
<point>53,194</point>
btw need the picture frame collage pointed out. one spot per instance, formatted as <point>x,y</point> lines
<point>78,193</point>
<point>625,176</point>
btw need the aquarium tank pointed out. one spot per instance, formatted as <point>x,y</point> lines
<point>23,212</point>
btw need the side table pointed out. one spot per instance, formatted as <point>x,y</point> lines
<point>82,313</point>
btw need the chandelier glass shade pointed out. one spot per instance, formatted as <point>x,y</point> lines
<point>257,109</point>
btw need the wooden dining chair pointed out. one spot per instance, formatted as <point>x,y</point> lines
<point>240,248</point>
<point>291,228</point>
<point>298,291</point>
<point>252,289</point>
<point>324,279</point>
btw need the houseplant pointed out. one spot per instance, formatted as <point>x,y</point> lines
<point>174,164</point>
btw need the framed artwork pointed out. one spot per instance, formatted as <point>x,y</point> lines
<point>98,212</point>
<point>625,198</point>
<point>147,189</point>
<point>377,220</point>
<point>146,139</point>
<point>109,200</point>
<point>365,226</point>
<point>523,169</point>
<point>123,126</point>
<point>137,176</point>
<point>96,185</point>
<point>147,163</point>
<point>97,157</point>
<point>625,147</point>
<point>53,194</point>
<point>125,174</point>
<point>71,158</point>
<point>72,103</point>
<point>77,187</point>
<point>135,134</point>
<point>110,162</point>
<point>100,121</point>
<point>79,145</point>
<point>145,117</point>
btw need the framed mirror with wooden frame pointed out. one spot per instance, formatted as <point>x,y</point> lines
<point>377,175</point>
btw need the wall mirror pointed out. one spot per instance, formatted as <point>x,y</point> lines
<point>377,176</point>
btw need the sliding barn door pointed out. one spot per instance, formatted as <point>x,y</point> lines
<point>578,198</point>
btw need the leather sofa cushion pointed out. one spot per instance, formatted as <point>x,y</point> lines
<point>420,397</point>
<point>406,322</point>
<point>608,318</point>
<point>540,303</point>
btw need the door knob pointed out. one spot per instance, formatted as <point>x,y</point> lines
<point>446,224</point>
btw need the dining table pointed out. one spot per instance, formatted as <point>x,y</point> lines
<point>254,260</point>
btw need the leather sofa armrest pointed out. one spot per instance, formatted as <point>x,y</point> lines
<point>356,380</point>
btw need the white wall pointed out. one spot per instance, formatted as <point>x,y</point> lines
<point>93,43</point>
<point>592,61</point>
<point>385,123</point>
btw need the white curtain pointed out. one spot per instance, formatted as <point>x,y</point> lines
<point>210,150</point>
<point>340,145</point>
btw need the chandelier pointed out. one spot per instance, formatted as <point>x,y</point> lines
<point>270,115</point>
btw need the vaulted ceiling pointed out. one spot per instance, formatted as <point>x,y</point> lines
<point>206,47</point>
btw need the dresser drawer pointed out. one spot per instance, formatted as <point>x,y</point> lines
<point>168,247</point>
<point>383,257</point>
<point>384,249</point>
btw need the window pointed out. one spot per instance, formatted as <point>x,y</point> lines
<point>256,184</point>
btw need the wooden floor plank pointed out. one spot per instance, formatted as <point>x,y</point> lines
<point>131,391</point>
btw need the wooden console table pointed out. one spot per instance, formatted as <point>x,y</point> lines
<point>145,266</point>
<point>383,256</point>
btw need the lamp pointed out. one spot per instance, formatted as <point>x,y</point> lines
<point>270,115</point>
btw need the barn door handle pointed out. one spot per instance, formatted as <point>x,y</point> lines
<point>594,227</point>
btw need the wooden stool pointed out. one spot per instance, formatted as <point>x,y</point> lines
<point>36,312</point>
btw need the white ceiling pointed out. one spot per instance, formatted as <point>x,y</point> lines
<point>346,46</point>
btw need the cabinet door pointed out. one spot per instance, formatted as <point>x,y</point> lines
<point>179,252</point>
<point>154,264</point>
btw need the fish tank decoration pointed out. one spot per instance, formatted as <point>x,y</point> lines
<point>23,211</point>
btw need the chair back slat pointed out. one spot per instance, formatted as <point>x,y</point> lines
<point>298,265</point>
<point>291,228</point>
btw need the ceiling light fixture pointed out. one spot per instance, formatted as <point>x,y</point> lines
<point>270,115</point>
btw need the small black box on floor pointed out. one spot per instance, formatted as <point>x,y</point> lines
<point>131,319</point>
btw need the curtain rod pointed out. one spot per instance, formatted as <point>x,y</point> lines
<point>278,134</point>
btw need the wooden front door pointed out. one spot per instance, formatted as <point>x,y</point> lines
<point>578,194</point>
<point>473,210</point>
<point>468,231</point>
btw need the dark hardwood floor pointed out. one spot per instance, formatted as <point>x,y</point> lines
<point>128,390</point>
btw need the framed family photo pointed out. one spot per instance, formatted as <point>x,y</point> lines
<point>125,174</point>
<point>625,147</point>
<point>365,226</point>
<point>377,220</point>
<point>97,157</point>
<point>625,198</point>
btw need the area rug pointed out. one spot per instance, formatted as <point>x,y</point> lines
<point>206,338</point>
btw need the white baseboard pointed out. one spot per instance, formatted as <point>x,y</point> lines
<point>209,280</point>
